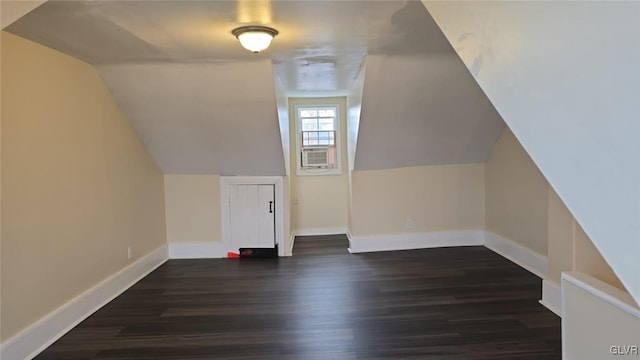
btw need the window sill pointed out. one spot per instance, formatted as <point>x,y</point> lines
<point>318,172</point>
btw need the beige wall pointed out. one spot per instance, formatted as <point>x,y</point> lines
<point>437,198</point>
<point>319,202</point>
<point>516,195</point>
<point>522,207</point>
<point>78,186</point>
<point>11,11</point>
<point>588,260</point>
<point>591,325</point>
<point>1,37</point>
<point>322,202</point>
<point>570,249</point>
<point>350,202</point>
<point>193,208</point>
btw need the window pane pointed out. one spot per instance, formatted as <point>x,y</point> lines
<point>326,112</point>
<point>325,124</point>
<point>309,124</point>
<point>308,113</point>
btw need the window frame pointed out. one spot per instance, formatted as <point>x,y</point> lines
<point>338,143</point>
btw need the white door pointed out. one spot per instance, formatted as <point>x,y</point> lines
<point>252,216</point>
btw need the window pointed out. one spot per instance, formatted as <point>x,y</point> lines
<point>318,140</point>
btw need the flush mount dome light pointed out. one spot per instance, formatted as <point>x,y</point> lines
<point>255,38</point>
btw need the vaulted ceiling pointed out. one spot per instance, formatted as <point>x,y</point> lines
<point>203,104</point>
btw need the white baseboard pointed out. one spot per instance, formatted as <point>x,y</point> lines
<point>526,258</point>
<point>37,337</point>
<point>359,244</point>
<point>282,250</point>
<point>319,231</point>
<point>291,241</point>
<point>199,250</point>
<point>552,297</point>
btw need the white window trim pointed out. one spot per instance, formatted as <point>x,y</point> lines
<point>298,125</point>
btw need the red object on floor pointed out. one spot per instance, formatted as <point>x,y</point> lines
<point>232,255</point>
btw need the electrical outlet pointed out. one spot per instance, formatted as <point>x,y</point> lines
<point>129,252</point>
<point>409,223</point>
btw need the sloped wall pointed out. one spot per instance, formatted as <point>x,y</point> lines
<point>78,186</point>
<point>563,76</point>
<point>423,109</point>
<point>11,11</point>
<point>205,117</point>
<point>516,195</point>
<point>522,207</point>
<point>570,249</point>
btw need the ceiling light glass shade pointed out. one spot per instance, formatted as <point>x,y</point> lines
<point>255,38</point>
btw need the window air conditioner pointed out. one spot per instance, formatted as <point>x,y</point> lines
<point>315,157</point>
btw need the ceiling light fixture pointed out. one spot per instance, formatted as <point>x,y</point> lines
<point>255,38</point>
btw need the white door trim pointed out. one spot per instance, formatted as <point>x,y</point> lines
<point>277,181</point>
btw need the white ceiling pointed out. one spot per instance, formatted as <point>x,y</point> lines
<point>320,46</point>
<point>203,104</point>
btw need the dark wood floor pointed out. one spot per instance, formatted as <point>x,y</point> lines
<point>324,303</point>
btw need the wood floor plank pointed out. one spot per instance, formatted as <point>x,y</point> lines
<point>324,303</point>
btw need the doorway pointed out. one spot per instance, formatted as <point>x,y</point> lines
<point>252,212</point>
<point>252,216</point>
